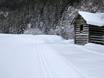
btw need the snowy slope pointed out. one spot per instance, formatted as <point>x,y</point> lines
<point>45,56</point>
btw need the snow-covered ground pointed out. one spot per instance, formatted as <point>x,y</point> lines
<point>49,56</point>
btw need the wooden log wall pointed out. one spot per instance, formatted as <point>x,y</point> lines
<point>81,37</point>
<point>96,34</point>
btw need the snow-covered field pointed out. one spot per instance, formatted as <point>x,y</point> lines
<point>45,56</point>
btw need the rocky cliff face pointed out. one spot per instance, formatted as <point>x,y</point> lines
<point>47,16</point>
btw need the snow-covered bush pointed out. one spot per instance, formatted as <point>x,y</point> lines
<point>33,31</point>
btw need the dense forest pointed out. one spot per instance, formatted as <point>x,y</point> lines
<point>43,16</point>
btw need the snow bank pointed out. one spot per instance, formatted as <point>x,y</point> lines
<point>95,47</point>
<point>29,56</point>
<point>5,38</point>
<point>87,60</point>
<point>48,56</point>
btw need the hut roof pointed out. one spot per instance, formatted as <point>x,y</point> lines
<point>93,18</point>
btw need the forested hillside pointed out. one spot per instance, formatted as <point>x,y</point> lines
<point>43,16</point>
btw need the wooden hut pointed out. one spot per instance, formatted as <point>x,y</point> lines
<point>89,27</point>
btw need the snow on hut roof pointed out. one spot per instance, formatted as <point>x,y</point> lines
<point>93,18</point>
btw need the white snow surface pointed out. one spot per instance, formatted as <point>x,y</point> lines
<point>96,19</point>
<point>49,56</point>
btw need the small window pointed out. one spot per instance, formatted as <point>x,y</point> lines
<point>81,28</point>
